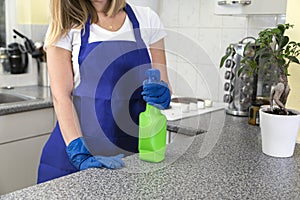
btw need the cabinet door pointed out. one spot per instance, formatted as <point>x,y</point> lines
<point>19,163</point>
<point>253,7</point>
<point>23,125</point>
<point>22,137</point>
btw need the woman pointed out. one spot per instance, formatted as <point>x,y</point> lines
<point>97,55</point>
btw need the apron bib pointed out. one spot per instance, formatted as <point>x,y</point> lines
<point>108,100</point>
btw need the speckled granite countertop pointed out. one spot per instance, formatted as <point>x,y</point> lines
<point>39,97</point>
<point>224,163</point>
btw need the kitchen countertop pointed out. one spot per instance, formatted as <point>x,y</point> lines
<point>40,98</point>
<point>226,162</point>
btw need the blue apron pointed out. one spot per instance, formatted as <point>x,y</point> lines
<point>108,100</point>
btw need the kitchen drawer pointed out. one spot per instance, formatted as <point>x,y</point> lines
<point>28,124</point>
<point>19,163</point>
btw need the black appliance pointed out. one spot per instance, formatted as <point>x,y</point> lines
<point>19,54</point>
<point>18,58</point>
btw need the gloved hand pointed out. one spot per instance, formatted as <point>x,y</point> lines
<point>157,94</point>
<point>82,159</point>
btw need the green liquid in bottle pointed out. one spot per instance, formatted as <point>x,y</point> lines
<point>152,133</point>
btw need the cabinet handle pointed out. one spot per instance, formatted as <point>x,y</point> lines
<point>241,2</point>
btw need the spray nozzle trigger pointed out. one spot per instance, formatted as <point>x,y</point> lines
<point>153,75</point>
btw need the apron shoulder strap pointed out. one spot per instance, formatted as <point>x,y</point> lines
<point>85,32</point>
<point>134,21</point>
<point>132,16</point>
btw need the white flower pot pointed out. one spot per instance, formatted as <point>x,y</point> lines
<point>279,133</point>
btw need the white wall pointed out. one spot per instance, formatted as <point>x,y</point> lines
<point>293,17</point>
<point>153,4</point>
<point>195,19</point>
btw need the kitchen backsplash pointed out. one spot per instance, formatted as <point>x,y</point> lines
<point>195,19</point>
<point>193,23</point>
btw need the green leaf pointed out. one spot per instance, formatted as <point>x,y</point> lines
<point>293,59</point>
<point>283,41</point>
<point>281,56</point>
<point>242,68</point>
<point>248,50</point>
<point>281,27</point>
<point>223,59</point>
<point>276,30</point>
<point>228,53</point>
<point>252,64</point>
<point>266,55</point>
<point>281,62</point>
<point>250,72</point>
<point>259,52</point>
<point>287,50</point>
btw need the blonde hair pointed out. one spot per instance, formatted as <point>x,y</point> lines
<point>67,14</point>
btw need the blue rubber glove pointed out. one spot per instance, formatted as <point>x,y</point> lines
<point>157,94</point>
<point>82,159</point>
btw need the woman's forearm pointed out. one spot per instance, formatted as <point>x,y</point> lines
<point>67,118</point>
<point>158,56</point>
<point>62,83</point>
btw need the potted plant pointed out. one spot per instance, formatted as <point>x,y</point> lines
<point>279,125</point>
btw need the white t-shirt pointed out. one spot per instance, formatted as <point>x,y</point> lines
<point>152,30</point>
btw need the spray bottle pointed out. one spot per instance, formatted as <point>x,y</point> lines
<point>152,128</point>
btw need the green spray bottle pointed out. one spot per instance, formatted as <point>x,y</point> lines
<point>152,128</point>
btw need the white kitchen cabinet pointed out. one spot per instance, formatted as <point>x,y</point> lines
<point>250,7</point>
<point>22,137</point>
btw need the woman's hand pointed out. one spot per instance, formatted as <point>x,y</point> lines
<point>157,94</point>
<point>82,159</point>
